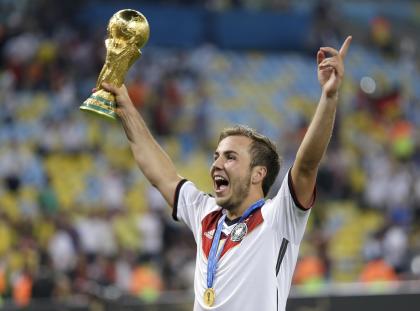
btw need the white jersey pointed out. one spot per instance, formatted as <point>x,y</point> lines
<point>252,274</point>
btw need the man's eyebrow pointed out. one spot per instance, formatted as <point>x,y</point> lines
<point>216,153</point>
<point>229,151</point>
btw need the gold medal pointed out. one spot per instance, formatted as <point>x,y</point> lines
<point>209,296</point>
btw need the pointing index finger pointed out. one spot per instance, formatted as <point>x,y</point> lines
<point>344,48</point>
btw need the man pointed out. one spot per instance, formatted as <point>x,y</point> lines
<point>246,247</point>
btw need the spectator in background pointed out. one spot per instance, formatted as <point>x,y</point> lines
<point>62,250</point>
<point>326,28</point>
<point>145,281</point>
<point>381,35</point>
<point>139,92</point>
<point>378,270</point>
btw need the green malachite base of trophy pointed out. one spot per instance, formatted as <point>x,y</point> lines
<point>101,103</point>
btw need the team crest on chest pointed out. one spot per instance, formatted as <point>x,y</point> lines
<point>239,232</point>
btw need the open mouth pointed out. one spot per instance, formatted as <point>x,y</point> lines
<point>220,183</point>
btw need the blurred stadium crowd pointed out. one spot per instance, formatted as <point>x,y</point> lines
<point>230,4</point>
<point>77,218</point>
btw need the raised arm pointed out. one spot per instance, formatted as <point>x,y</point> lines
<point>149,156</point>
<point>317,137</point>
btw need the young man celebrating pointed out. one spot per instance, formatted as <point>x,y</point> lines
<point>246,247</point>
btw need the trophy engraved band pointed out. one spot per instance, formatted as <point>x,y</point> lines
<point>128,31</point>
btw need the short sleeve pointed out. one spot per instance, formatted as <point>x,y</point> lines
<point>284,214</point>
<point>192,205</point>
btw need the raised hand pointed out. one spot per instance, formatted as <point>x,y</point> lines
<point>124,102</point>
<point>331,69</point>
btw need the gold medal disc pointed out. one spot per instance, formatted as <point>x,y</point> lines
<point>209,296</point>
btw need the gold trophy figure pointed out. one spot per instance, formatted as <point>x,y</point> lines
<point>128,32</point>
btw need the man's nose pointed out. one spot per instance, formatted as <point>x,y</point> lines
<point>217,163</point>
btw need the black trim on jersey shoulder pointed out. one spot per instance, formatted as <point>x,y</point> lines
<point>294,196</point>
<point>176,197</point>
<point>282,252</point>
<point>231,222</point>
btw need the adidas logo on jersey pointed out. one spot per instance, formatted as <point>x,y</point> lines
<point>209,234</point>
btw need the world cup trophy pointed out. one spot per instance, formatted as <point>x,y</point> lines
<point>128,31</point>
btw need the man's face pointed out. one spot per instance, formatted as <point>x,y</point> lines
<point>231,171</point>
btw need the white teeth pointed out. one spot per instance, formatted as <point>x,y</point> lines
<point>218,178</point>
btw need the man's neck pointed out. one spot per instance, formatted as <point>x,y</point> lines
<point>240,209</point>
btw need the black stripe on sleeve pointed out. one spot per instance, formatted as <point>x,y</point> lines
<point>176,197</point>
<point>282,252</point>
<point>294,196</point>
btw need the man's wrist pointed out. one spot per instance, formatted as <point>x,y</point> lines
<point>331,95</point>
<point>126,112</point>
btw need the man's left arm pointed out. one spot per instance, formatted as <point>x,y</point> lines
<point>317,137</point>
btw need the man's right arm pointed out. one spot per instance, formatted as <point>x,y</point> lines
<point>149,156</point>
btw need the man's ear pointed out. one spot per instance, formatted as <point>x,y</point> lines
<point>258,174</point>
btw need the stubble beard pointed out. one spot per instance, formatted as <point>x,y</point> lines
<point>239,193</point>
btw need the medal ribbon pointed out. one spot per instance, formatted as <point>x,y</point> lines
<point>213,256</point>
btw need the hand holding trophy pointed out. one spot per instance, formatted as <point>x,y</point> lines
<point>128,32</point>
